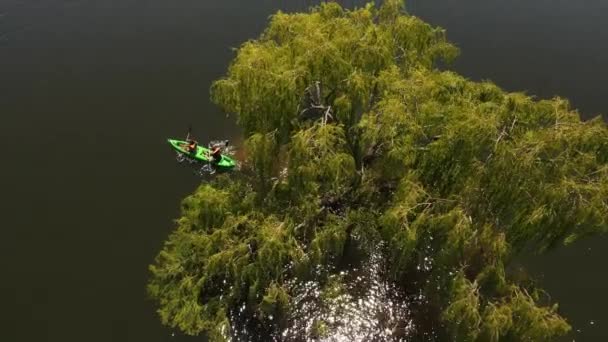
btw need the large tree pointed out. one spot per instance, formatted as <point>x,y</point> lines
<point>359,148</point>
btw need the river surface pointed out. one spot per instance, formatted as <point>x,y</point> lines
<point>89,90</point>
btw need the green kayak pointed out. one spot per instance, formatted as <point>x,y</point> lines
<point>202,154</point>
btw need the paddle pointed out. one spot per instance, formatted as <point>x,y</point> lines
<point>185,145</point>
<point>189,131</point>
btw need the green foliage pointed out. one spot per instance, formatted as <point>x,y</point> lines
<point>497,321</point>
<point>262,150</point>
<point>343,50</point>
<point>319,330</point>
<point>516,318</point>
<point>560,175</point>
<point>275,302</point>
<point>205,209</point>
<point>462,315</point>
<point>534,323</point>
<point>448,179</point>
<point>319,160</point>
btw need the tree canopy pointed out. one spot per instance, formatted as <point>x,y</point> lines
<point>356,140</point>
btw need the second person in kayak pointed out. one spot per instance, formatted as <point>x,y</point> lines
<point>215,153</point>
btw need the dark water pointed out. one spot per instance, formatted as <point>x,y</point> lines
<point>89,90</point>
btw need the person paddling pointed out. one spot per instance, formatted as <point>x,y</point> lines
<point>191,146</point>
<point>215,153</point>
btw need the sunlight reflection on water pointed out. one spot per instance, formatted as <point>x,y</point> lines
<point>366,308</point>
<point>358,302</point>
